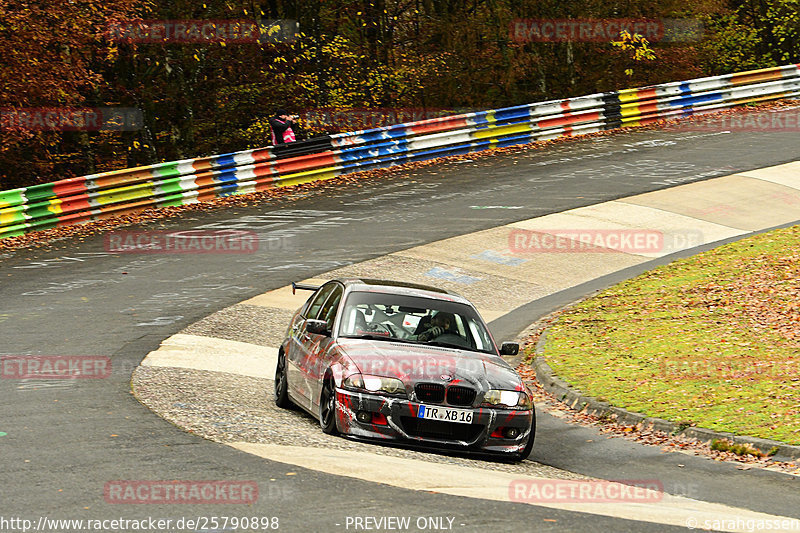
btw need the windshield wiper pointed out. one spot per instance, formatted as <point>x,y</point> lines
<point>451,345</point>
<point>372,336</point>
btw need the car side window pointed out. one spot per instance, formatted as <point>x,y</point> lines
<point>318,299</point>
<point>328,312</point>
<point>479,337</point>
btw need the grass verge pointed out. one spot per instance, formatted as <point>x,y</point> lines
<point>712,340</point>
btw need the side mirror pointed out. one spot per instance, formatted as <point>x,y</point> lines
<point>509,348</point>
<point>317,327</point>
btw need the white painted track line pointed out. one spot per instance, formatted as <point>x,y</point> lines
<point>197,352</point>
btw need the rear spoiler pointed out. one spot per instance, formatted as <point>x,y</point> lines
<point>304,287</point>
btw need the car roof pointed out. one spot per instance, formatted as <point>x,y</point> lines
<point>399,287</point>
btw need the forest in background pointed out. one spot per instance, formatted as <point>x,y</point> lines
<point>196,99</point>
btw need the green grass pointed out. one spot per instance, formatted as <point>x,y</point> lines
<point>723,445</point>
<point>712,340</point>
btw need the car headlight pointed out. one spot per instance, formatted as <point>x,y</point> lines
<point>375,384</point>
<point>507,398</point>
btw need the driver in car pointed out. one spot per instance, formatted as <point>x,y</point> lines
<point>440,324</point>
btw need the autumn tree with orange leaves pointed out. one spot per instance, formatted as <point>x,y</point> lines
<point>52,54</point>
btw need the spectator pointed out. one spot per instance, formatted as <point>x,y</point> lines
<point>281,127</point>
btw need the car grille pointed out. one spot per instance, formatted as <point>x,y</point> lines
<point>430,392</point>
<point>436,429</point>
<point>457,395</point>
<point>436,393</point>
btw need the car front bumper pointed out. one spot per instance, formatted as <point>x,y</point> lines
<point>489,432</point>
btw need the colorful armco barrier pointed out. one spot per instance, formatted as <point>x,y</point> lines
<point>100,196</point>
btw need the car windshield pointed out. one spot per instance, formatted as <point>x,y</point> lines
<point>413,319</point>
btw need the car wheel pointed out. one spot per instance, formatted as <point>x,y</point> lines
<point>282,384</point>
<point>327,408</point>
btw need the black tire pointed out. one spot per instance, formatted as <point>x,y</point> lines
<point>327,408</point>
<point>282,384</point>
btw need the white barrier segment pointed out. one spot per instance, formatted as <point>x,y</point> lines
<point>246,187</point>
<point>245,158</point>
<point>186,167</point>
<point>436,140</point>
<point>187,183</point>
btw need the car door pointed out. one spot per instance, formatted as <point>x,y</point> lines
<point>302,344</point>
<point>324,350</point>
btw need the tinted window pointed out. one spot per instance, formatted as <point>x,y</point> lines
<point>318,299</point>
<point>328,312</point>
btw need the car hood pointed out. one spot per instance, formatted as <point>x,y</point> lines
<point>414,363</point>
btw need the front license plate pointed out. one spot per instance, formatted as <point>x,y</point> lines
<point>445,414</point>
